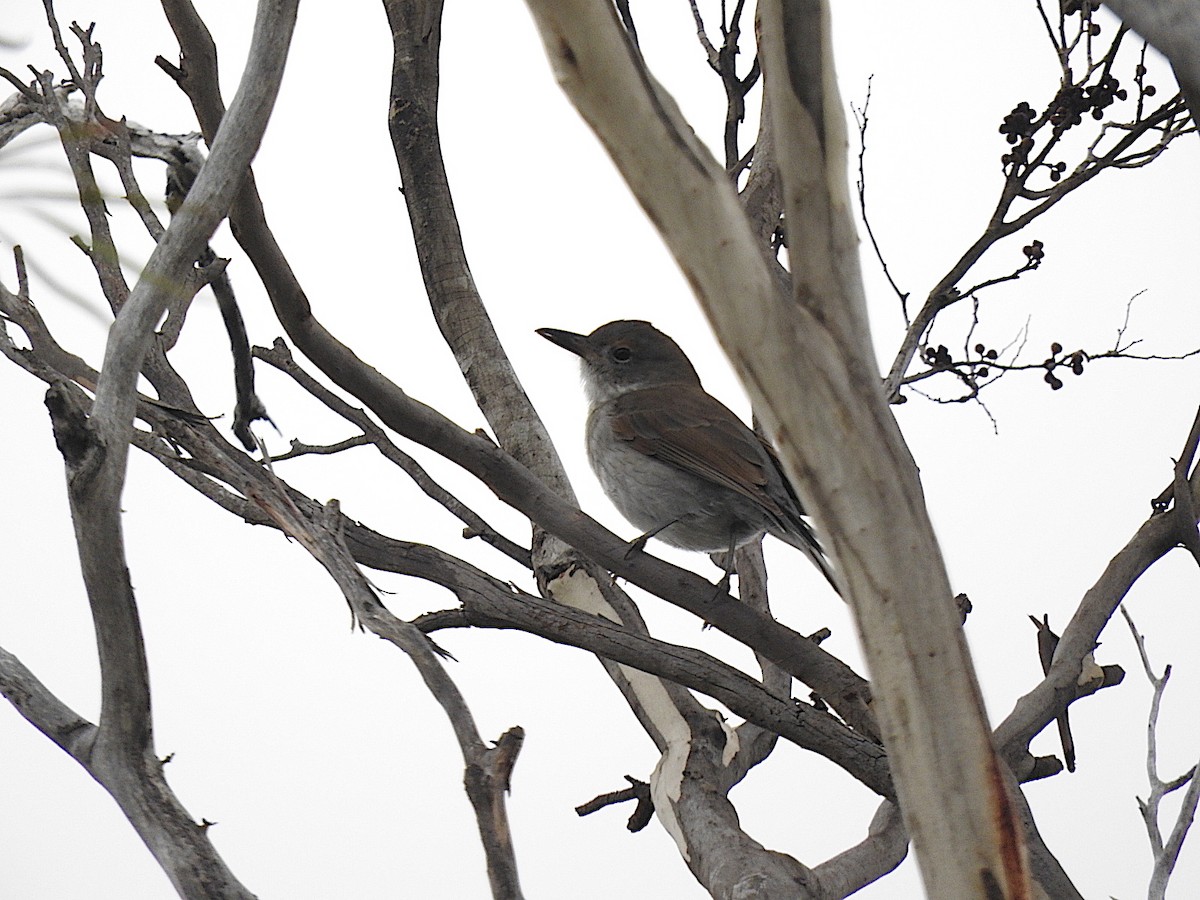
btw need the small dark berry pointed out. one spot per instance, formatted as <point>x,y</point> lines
<point>1056,348</point>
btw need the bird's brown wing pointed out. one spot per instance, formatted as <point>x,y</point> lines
<point>700,435</point>
<point>665,423</point>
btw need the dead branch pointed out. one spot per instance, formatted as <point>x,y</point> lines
<point>1166,853</point>
<point>637,790</point>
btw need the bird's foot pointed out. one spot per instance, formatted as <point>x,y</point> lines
<point>639,542</point>
<point>637,545</point>
<point>724,586</point>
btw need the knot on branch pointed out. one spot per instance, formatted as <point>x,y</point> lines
<point>80,446</point>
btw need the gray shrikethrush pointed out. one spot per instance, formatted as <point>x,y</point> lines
<point>673,459</point>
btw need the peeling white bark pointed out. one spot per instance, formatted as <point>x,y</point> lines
<point>576,589</point>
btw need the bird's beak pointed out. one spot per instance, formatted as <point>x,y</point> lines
<point>568,340</point>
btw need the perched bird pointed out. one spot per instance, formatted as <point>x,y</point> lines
<point>672,458</point>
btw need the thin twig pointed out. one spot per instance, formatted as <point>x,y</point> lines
<point>1166,854</point>
<point>1168,121</point>
<point>280,357</point>
<point>861,118</point>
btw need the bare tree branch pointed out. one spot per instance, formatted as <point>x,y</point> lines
<point>1032,138</point>
<point>884,848</point>
<point>42,709</point>
<point>964,827</point>
<point>280,357</point>
<point>1166,854</point>
<point>860,116</point>
<point>453,297</point>
<point>1034,711</point>
<point>487,769</point>
<point>95,449</point>
<point>490,605</point>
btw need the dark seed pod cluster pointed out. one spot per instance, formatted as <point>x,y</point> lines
<point>985,354</point>
<point>938,358</point>
<point>1073,361</point>
<point>1018,123</point>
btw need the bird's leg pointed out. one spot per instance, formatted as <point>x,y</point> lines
<point>724,559</point>
<point>639,542</point>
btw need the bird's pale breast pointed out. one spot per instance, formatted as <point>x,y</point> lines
<point>651,493</point>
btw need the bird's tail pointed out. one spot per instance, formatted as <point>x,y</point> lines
<point>800,535</point>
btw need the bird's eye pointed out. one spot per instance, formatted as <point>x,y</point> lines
<point>622,354</point>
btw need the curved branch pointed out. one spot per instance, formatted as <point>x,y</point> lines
<point>281,358</point>
<point>206,205</point>
<point>490,604</point>
<point>1037,709</point>
<point>1166,854</point>
<point>95,448</point>
<point>881,851</point>
<point>453,296</point>
<point>320,532</point>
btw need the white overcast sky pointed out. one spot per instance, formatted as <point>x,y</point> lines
<point>329,769</point>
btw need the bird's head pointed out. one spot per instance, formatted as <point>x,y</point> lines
<point>623,356</point>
